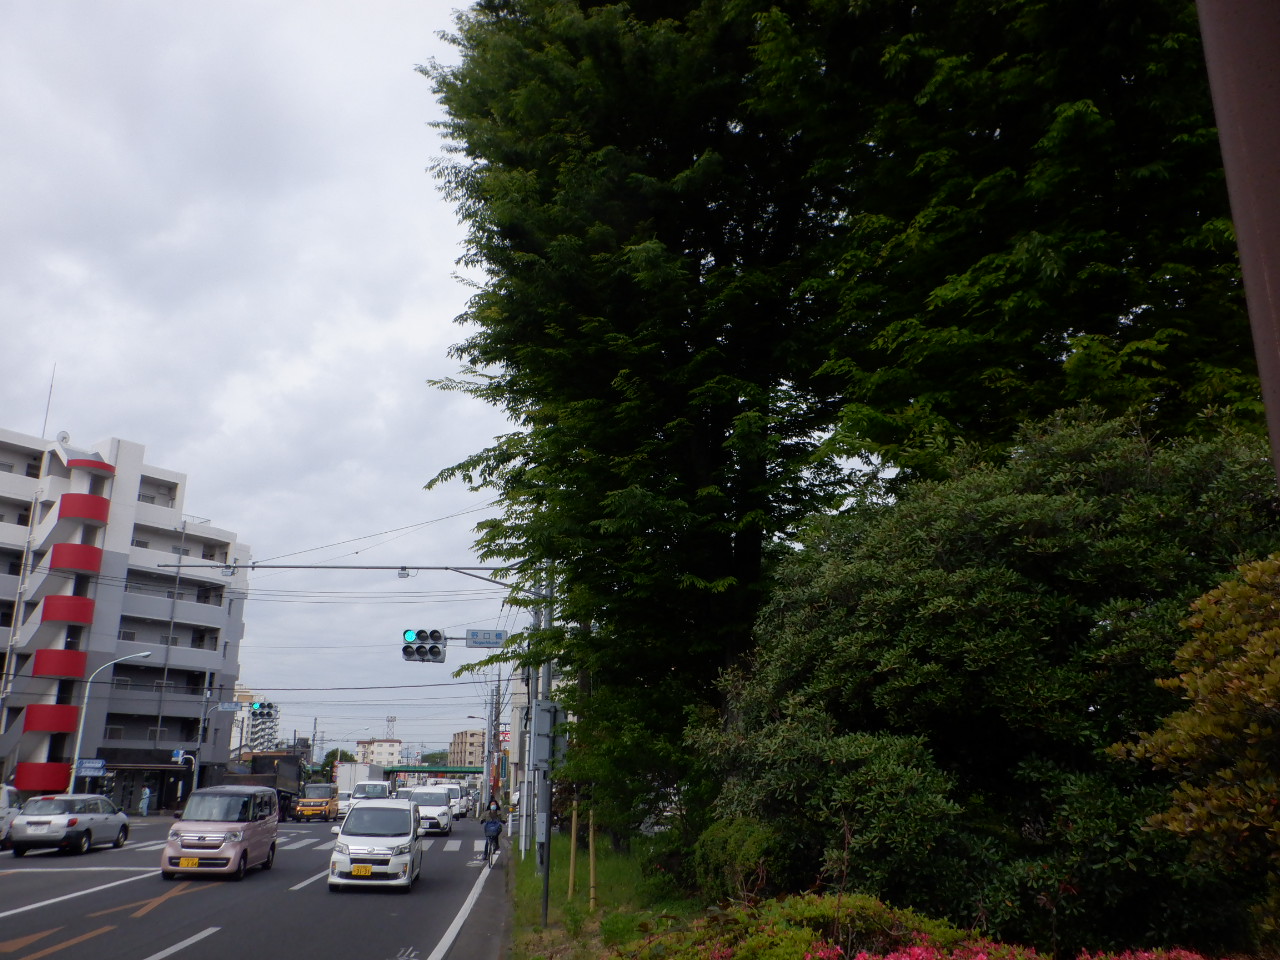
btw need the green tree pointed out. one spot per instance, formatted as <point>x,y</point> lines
<point>1224,748</point>
<point>1036,213</point>
<point>939,677</point>
<point>644,324</point>
<point>435,756</point>
<point>335,755</point>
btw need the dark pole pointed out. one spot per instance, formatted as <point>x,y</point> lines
<point>1242,52</point>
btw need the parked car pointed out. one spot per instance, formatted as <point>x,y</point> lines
<point>69,821</point>
<point>223,830</point>
<point>378,844</point>
<point>433,809</point>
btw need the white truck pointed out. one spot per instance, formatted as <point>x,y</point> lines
<point>347,775</point>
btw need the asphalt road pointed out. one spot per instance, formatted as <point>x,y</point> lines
<point>113,905</point>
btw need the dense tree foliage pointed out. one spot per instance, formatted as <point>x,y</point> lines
<point>721,242</point>
<point>1036,212</point>
<point>939,678</point>
<point>642,324</point>
<point>1224,748</point>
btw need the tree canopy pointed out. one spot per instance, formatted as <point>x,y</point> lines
<point>939,676</point>
<point>723,243</point>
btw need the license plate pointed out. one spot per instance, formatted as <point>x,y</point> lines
<point>189,862</point>
<point>38,828</point>
<point>361,870</point>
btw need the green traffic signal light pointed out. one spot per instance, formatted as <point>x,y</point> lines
<point>410,635</point>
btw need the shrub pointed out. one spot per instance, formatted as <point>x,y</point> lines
<point>741,859</point>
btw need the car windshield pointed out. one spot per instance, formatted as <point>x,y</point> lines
<point>209,806</point>
<point>49,805</point>
<point>344,795</point>
<point>431,798</point>
<point>366,821</point>
<point>371,791</point>
<point>317,791</point>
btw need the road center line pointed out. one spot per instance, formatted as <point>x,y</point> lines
<point>78,893</point>
<point>169,951</point>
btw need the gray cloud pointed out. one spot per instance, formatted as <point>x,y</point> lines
<point>220,228</point>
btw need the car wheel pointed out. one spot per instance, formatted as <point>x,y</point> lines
<point>121,837</point>
<point>268,863</point>
<point>83,843</point>
<point>19,851</point>
<point>241,867</point>
<point>335,888</point>
<point>168,875</point>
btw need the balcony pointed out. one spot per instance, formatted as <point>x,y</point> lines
<point>147,606</point>
<point>75,510</point>
<point>76,557</point>
<point>42,777</point>
<point>97,467</point>
<point>64,609</point>
<point>50,718</point>
<point>59,663</point>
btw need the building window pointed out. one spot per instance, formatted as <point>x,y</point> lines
<point>122,683</point>
<point>6,467</point>
<point>113,733</point>
<point>157,733</point>
<point>180,551</point>
<point>128,635</point>
<point>164,684</point>
<point>166,638</point>
<point>143,544</point>
<point>33,470</point>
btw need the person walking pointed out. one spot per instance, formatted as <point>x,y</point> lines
<point>145,802</point>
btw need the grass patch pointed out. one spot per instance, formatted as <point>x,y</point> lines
<point>628,905</point>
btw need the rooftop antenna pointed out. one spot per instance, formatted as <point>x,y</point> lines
<point>45,426</point>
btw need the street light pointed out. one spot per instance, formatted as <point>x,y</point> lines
<point>84,703</point>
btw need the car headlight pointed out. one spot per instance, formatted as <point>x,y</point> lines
<point>175,835</point>
<point>234,836</point>
<point>401,850</point>
<point>341,848</point>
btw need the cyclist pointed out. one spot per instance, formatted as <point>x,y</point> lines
<point>493,820</point>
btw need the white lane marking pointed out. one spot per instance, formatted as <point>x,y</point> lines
<point>169,951</point>
<point>148,847</point>
<point>452,846</point>
<point>477,846</point>
<point>318,876</point>
<point>79,893</point>
<point>451,934</point>
<point>300,843</point>
<point>12,873</point>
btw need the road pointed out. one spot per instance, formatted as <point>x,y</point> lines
<point>113,905</point>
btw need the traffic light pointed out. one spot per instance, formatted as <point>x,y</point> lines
<point>424,646</point>
<point>260,708</point>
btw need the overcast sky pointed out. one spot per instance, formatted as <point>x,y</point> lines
<point>219,227</point>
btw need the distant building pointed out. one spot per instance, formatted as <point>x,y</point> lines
<point>385,752</point>
<point>466,749</point>
<point>99,563</point>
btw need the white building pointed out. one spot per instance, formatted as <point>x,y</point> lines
<point>385,752</point>
<point>99,564</point>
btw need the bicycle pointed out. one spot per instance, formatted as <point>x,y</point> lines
<point>492,830</point>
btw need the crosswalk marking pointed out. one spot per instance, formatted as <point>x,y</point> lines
<point>452,846</point>
<point>304,842</point>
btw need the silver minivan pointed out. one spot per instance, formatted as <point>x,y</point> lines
<point>378,844</point>
<point>223,830</point>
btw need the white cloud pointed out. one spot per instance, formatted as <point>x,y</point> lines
<point>220,228</point>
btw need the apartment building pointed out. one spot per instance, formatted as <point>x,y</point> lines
<point>466,749</point>
<point>385,752</point>
<point>121,619</point>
